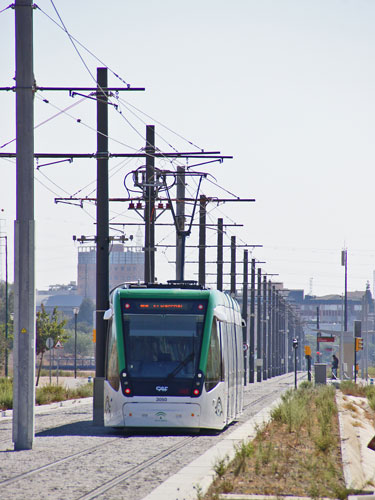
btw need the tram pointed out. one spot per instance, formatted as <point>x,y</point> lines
<point>174,357</point>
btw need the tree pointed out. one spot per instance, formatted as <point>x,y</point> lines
<point>86,310</point>
<point>48,325</point>
<point>85,345</point>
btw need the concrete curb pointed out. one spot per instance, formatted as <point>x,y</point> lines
<point>197,477</point>
<point>39,409</point>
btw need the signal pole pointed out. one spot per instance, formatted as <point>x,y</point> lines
<point>24,272</point>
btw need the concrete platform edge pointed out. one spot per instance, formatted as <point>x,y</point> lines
<point>198,476</point>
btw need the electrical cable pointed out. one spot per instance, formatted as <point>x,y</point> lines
<point>85,48</point>
<point>6,8</point>
<point>160,123</point>
<point>48,119</point>
<point>78,120</point>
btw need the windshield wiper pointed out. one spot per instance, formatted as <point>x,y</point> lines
<point>181,365</point>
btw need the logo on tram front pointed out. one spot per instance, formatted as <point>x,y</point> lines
<point>161,388</point>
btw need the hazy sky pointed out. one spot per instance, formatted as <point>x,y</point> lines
<point>285,86</point>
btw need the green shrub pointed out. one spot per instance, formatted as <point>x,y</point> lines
<point>351,389</point>
<point>49,394</point>
<point>43,395</point>
<point>6,394</point>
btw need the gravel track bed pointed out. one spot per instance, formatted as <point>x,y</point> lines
<point>71,458</point>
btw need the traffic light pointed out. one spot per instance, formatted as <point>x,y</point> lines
<point>307,350</point>
<point>295,343</point>
<point>359,344</point>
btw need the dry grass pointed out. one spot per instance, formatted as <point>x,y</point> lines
<point>298,453</point>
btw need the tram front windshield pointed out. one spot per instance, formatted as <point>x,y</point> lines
<point>163,337</point>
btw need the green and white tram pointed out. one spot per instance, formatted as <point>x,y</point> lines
<point>174,357</point>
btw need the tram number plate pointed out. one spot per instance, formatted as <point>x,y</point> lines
<point>161,399</point>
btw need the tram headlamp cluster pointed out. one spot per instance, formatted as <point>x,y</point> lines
<point>125,384</point>
<point>198,384</point>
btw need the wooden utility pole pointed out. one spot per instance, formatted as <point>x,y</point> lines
<point>102,242</point>
<point>24,262</point>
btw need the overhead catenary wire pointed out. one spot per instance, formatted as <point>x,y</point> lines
<point>129,105</point>
<point>84,47</point>
<point>73,40</point>
<point>6,8</point>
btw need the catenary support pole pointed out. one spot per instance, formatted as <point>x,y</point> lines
<point>102,243</point>
<point>202,241</point>
<point>269,329</point>
<point>277,346</point>
<point>274,330</point>
<point>6,307</point>
<point>150,206</point>
<point>252,323</point>
<point>317,335</point>
<point>180,222</point>
<point>264,329</point>
<point>24,254</point>
<point>220,254</point>
<point>244,309</point>
<point>259,326</point>
<point>233,265</point>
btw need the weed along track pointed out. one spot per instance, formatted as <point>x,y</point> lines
<point>297,453</point>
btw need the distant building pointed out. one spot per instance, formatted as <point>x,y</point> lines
<point>125,264</point>
<point>64,297</point>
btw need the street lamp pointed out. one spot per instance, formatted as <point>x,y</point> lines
<point>75,312</point>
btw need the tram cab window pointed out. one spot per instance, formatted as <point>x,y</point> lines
<point>214,368</point>
<point>162,345</point>
<point>112,358</point>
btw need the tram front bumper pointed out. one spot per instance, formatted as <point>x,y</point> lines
<point>161,415</point>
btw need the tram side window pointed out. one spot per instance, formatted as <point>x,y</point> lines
<point>112,359</point>
<point>213,372</point>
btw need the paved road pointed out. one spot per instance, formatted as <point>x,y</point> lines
<point>73,459</point>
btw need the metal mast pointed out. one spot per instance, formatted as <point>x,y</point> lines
<point>24,272</point>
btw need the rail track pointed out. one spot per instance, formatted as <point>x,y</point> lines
<point>112,465</point>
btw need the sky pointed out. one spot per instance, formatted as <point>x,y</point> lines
<point>286,87</point>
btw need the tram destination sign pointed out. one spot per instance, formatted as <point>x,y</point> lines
<point>326,339</point>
